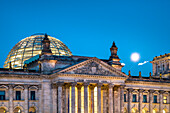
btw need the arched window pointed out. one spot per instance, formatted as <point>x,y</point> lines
<point>134,110</point>
<point>17,110</point>
<point>155,111</point>
<point>165,111</point>
<point>32,110</point>
<point>125,110</point>
<point>2,110</point>
<point>145,110</point>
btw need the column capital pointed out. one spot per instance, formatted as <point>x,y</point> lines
<point>86,84</point>
<point>11,86</point>
<point>79,86</point>
<point>26,86</point>
<point>73,84</point>
<point>60,83</point>
<point>122,86</point>
<point>130,89</point>
<point>53,86</point>
<point>151,91</point>
<point>141,90</point>
<point>99,84</point>
<point>91,86</point>
<point>161,91</point>
<point>111,85</point>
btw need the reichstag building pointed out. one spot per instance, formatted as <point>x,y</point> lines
<point>41,75</point>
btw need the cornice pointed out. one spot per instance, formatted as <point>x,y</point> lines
<point>146,83</point>
<point>90,76</point>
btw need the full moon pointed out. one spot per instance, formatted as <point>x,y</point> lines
<point>135,57</point>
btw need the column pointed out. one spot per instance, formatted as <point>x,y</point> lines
<point>40,98</point>
<point>129,99</point>
<point>104,99</point>
<point>86,97</point>
<point>140,100</point>
<point>122,99</point>
<point>116,99</point>
<point>99,98</point>
<point>11,98</point>
<point>79,97</point>
<point>54,98</point>
<point>161,101</point>
<point>67,91</point>
<point>60,104</point>
<point>73,97</point>
<point>92,97</point>
<point>26,98</point>
<point>111,98</point>
<point>150,100</point>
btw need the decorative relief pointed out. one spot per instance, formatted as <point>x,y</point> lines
<point>93,68</point>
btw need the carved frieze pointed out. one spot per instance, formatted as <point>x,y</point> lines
<point>93,68</point>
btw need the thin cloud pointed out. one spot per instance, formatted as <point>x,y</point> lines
<point>143,63</point>
<point>123,64</point>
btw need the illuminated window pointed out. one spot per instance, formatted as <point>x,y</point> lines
<point>95,99</point>
<point>155,99</point>
<point>134,98</point>
<point>2,110</point>
<point>134,110</point>
<point>17,110</point>
<point>32,110</point>
<point>2,95</point>
<point>144,98</point>
<point>82,99</point>
<point>165,99</point>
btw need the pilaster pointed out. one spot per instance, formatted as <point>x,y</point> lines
<point>73,97</point>
<point>60,104</point>
<point>11,98</point>
<point>161,101</point>
<point>54,98</point>
<point>111,98</point>
<point>140,100</point>
<point>129,99</point>
<point>86,97</point>
<point>122,99</point>
<point>26,98</point>
<point>150,100</point>
<point>99,98</point>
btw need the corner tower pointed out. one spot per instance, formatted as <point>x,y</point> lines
<point>114,59</point>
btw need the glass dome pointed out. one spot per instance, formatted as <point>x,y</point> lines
<point>31,46</point>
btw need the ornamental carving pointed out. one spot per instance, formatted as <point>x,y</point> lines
<point>93,68</point>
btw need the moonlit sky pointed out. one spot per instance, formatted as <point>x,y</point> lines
<point>88,27</point>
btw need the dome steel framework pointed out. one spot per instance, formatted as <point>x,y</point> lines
<point>32,46</point>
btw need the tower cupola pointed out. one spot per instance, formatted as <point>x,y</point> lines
<point>114,59</point>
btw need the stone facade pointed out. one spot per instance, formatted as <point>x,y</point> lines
<point>77,84</point>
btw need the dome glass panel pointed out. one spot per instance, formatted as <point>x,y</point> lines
<point>32,46</point>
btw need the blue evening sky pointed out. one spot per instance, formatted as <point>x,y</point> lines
<point>88,27</point>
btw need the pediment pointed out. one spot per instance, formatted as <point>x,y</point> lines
<point>93,67</point>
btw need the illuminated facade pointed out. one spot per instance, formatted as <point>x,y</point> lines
<point>50,83</point>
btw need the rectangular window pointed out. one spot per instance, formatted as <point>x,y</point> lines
<point>18,95</point>
<point>165,100</point>
<point>134,98</point>
<point>155,99</point>
<point>124,97</point>
<point>2,95</point>
<point>32,95</point>
<point>144,98</point>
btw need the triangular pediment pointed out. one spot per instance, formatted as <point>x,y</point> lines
<point>93,66</point>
